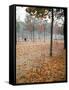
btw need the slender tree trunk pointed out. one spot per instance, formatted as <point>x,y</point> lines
<point>33,32</point>
<point>51,42</point>
<point>31,35</point>
<point>44,34</point>
<point>22,36</point>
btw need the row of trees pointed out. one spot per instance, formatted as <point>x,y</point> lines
<point>40,28</point>
<point>33,29</point>
<point>41,23</point>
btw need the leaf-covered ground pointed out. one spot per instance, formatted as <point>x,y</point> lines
<point>34,64</point>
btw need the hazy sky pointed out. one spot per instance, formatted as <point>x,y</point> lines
<point>20,13</point>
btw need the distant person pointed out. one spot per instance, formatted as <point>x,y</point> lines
<point>25,39</point>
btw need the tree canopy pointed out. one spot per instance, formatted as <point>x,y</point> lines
<point>37,12</point>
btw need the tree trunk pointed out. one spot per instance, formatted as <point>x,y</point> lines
<point>33,32</point>
<point>51,42</point>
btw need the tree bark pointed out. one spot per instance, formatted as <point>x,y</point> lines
<point>51,41</point>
